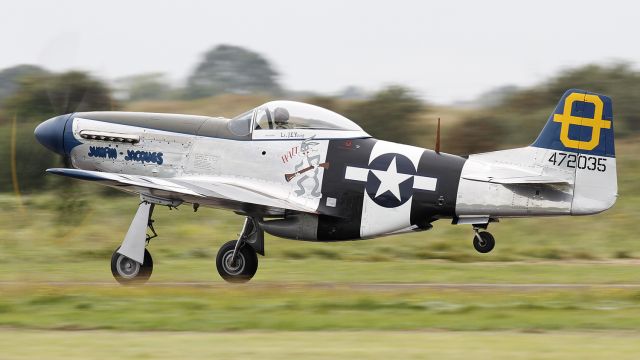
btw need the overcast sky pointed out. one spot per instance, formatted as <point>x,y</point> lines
<point>445,50</point>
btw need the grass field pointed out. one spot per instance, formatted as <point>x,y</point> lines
<point>293,307</point>
<point>313,270</point>
<point>423,295</point>
<point>366,345</point>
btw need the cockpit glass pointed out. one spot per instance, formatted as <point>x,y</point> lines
<point>263,119</point>
<point>241,124</point>
<point>295,115</point>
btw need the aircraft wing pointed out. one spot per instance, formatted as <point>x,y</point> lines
<point>206,187</point>
<point>122,180</point>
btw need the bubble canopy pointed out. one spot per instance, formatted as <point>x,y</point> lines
<point>283,114</point>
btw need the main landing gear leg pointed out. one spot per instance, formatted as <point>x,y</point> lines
<point>483,241</point>
<point>237,260</point>
<point>132,262</point>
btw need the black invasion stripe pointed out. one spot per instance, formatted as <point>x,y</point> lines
<point>428,206</point>
<point>342,222</point>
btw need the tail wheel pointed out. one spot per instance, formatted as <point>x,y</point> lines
<point>483,242</point>
<point>243,268</point>
<point>128,272</point>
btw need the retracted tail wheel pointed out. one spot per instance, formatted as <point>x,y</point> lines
<point>243,268</point>
<point>483,242</point>
<point>128,272</point>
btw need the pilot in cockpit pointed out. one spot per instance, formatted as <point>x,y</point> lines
<point>281,118</point>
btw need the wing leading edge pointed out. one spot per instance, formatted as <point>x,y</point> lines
<point>231,189</point>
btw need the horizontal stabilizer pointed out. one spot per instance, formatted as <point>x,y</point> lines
<point>519,180</point>
<point>514,176</point>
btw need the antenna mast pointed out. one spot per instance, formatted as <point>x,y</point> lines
<point>438,138</point>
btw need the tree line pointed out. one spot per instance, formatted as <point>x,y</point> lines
<point>513,117</point>
<point>519,116</point>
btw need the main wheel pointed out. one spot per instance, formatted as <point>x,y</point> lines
<point>127,271</point>
<point>245,266</point>
<point>485,243</point>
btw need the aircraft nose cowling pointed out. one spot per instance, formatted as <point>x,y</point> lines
<point>50,133</point>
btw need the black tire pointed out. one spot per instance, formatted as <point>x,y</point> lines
<point>246,263</point>
<point>129,272</point>
<point>486,245</point>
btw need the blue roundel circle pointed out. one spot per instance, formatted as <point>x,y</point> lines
<point>392,185</point>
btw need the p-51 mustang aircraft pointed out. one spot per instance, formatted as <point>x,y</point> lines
<point>302,172</point>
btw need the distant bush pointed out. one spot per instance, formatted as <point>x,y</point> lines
<point>10,78</point>
<point>231,69</point>
<point>478,134</point>
<point>520,116</point>
<point>151,86</point>
<point>38,98</point>
<point>389,114</point>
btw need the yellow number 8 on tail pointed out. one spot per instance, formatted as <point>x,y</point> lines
<point>596,123</point>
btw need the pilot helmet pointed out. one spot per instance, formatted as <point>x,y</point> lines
<point>280,115</point>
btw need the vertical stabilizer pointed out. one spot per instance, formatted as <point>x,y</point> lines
<point>580,130</point>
